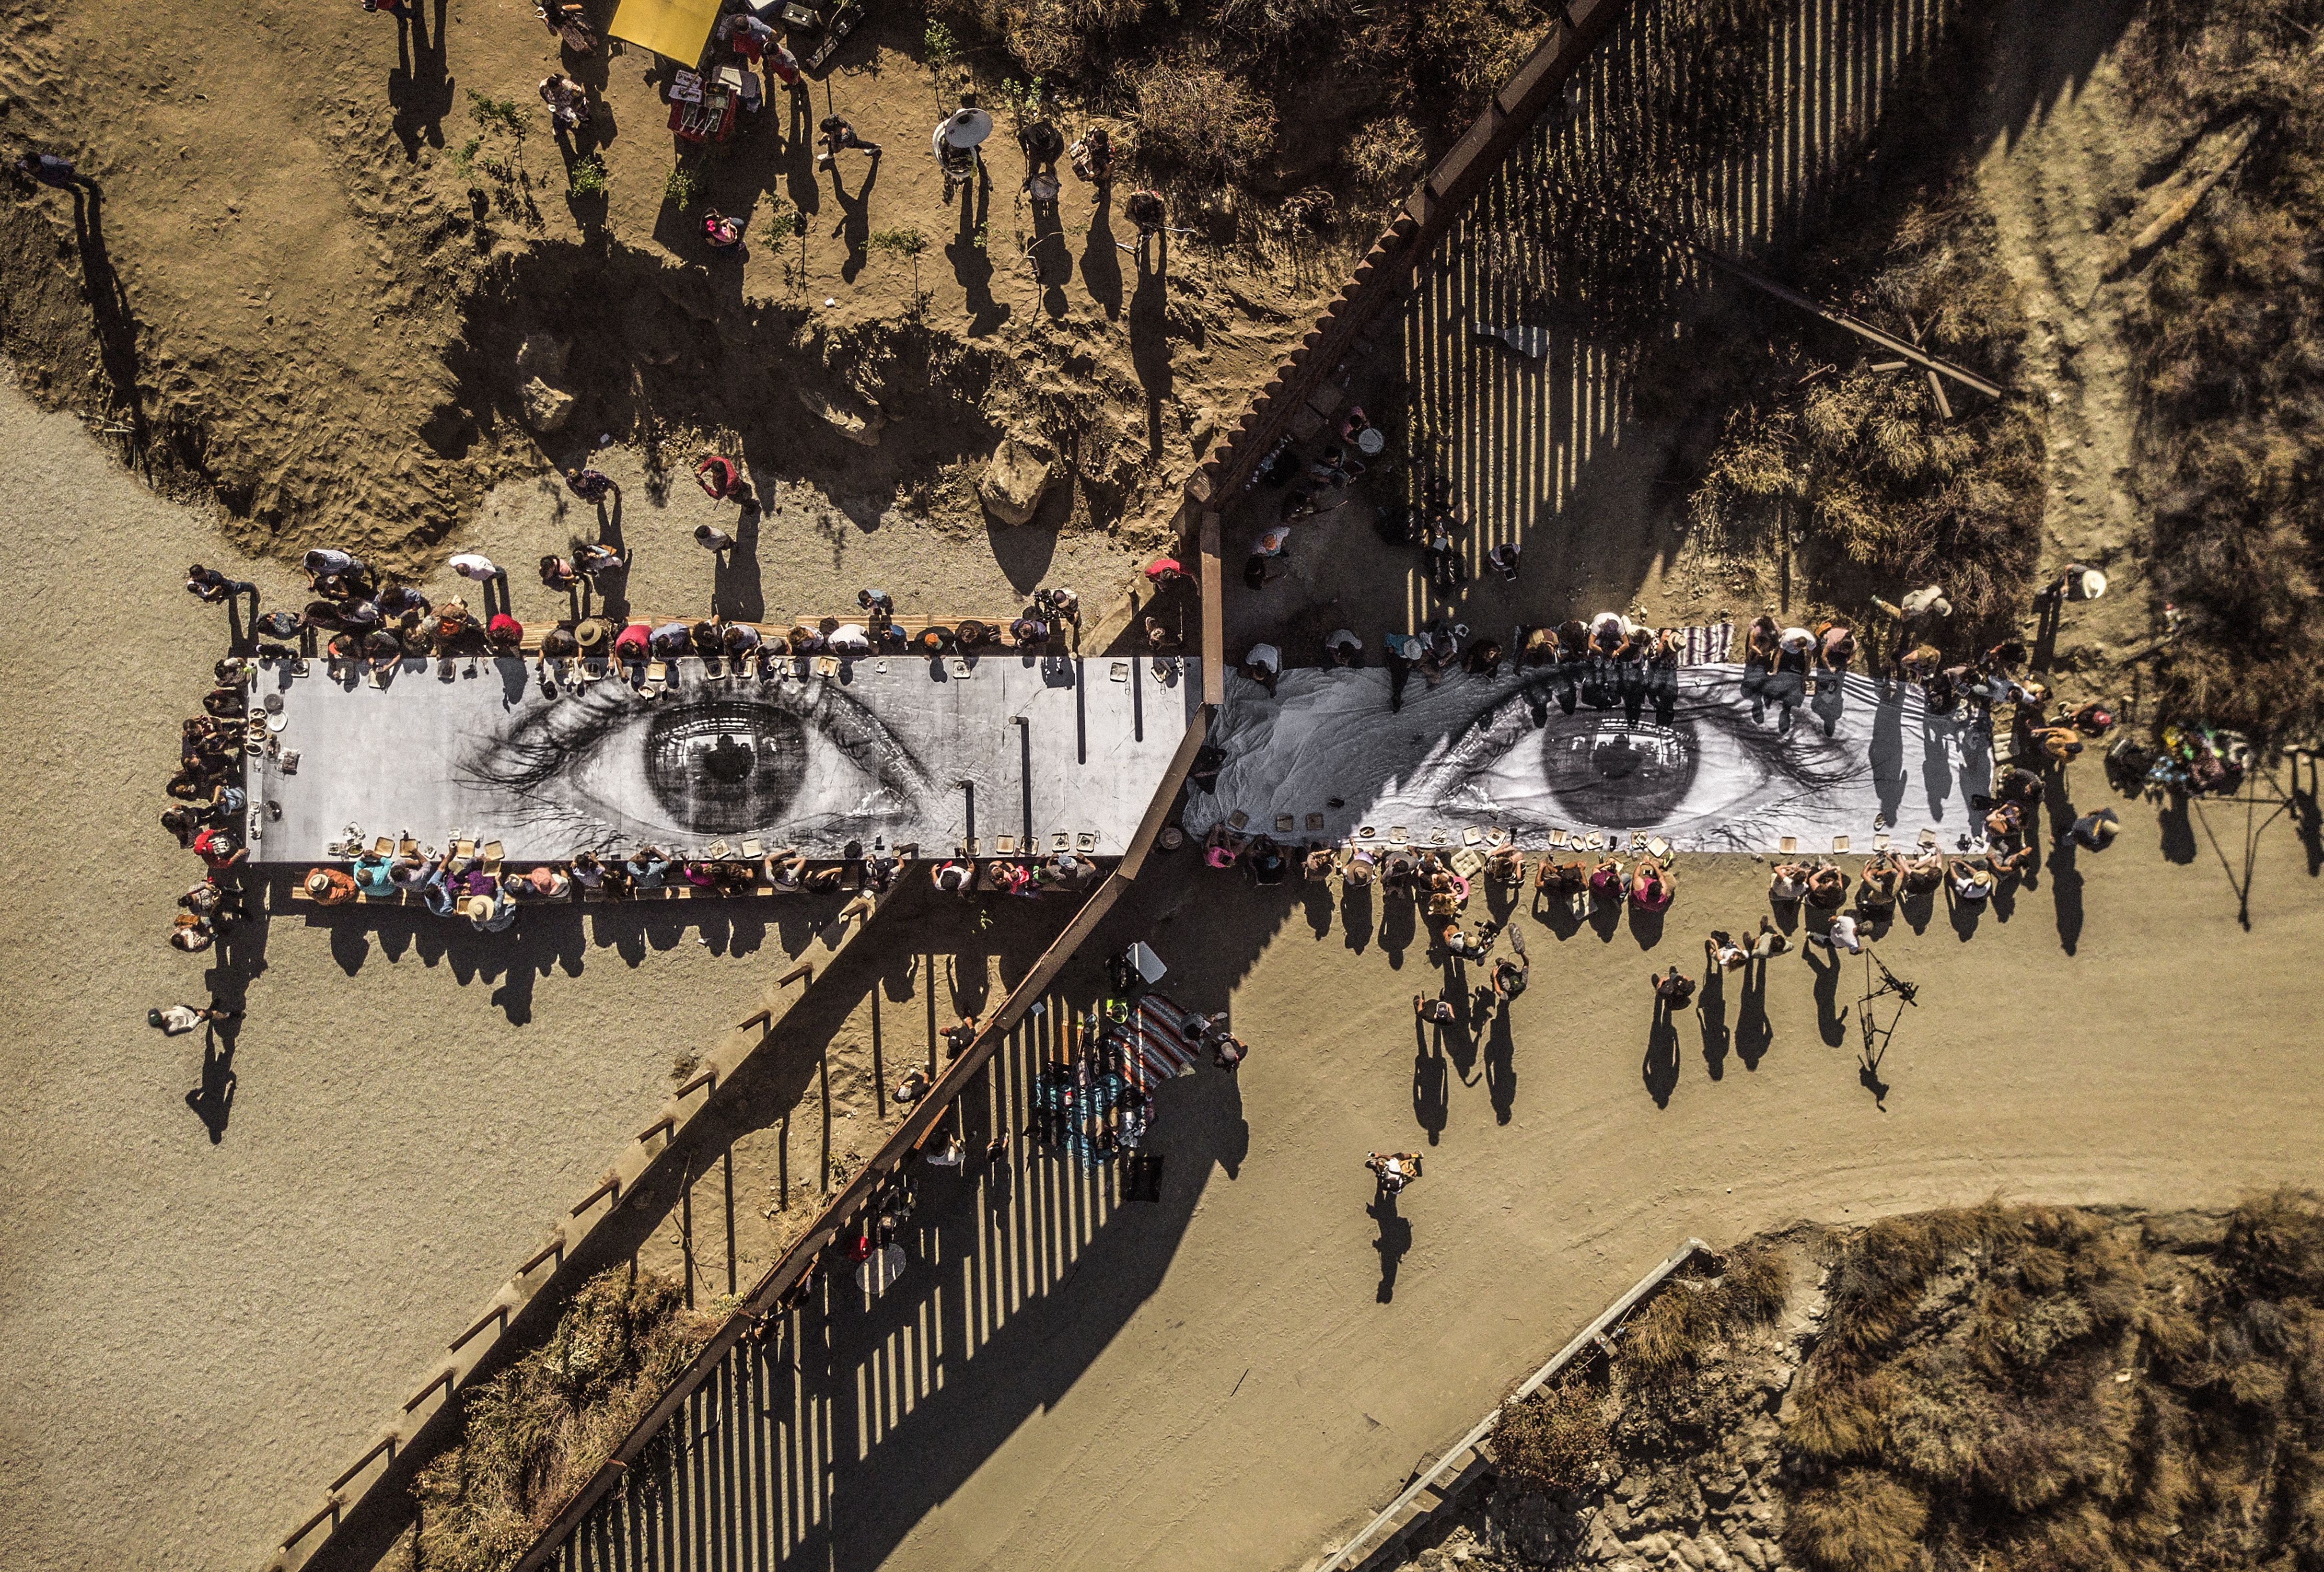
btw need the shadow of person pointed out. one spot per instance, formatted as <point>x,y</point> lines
<point>1831,1016</point>
<point>1149,349</point>
<point>736,592</point>
<point>1754,1033</point>
<point>2178,830</point>
<point>1398,927</point>
<point>1660,1067</point>
<point>419,88</point>
<point>1355,916</point>
<point>1501,1069</point>
<point>2066,894</point>
<point>855,226</point>
<point>971,264</point>
<point>213,1101</point>
<point>1645,927</point>
<point>1394,1243</point>
<point>1964,914</point>
<point>1430,1084</point>
<point>1606,918</point>
<point>1101,259</point>
<point>1710,1006</point>
<point>1316,897</point>
<point>1052,258</point>
<point>108,304</point>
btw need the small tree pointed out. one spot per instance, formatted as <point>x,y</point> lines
<point>587,177</point>
<point>905,242</point>
<point>683,187</point>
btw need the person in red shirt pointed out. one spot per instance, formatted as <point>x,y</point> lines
<point>219,849</point>
<point>506,634</point>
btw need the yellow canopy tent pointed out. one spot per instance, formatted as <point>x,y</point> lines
<point>675,29</point>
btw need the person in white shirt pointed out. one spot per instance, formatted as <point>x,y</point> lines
<point>1840,936</point>
<point>474,565</point>
<point>1263,665</point>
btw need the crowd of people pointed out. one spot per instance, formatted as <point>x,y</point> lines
<point>462,883</point>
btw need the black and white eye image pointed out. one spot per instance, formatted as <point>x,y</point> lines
<point>1706,766</point>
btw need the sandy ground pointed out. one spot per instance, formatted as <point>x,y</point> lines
<point>1237,1375</point>
<point>310,264</point>
<point>199,1335</point>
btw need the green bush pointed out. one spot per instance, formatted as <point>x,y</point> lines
<point>587,177</point>
<point>682,189</point>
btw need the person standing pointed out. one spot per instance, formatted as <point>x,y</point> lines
<point>713,539</point>
<point>49,169</point>
<point>475,566</point>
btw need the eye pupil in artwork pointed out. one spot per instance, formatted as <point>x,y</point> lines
<point>719,768</point>
<point>1619,773</point>
<point>726,760</point>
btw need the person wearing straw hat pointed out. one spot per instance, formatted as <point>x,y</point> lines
<point>330,887</point>
<point>2074,582</point>
<point>489,913</point>
<point>2094,831</point>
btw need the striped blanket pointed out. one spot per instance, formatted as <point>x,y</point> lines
<point>1162,1041</point>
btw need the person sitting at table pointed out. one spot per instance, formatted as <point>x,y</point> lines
<point>824,880</point>
<point>1651,887</point>
<point>1876,886</point>
<point>545,883</point>
<point>1011,878</point>
<point>1606,879</point>
<point>375,875</point>
<point>489,913</point>
<point>647,868</point>
<point>633,644</point>
<point>670,641</point>
<point>1827,887</point>
<point>219,849</point>
<point>408,870</point>
<point>330,887</point>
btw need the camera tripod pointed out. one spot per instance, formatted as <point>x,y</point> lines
<point>1877,1036</point>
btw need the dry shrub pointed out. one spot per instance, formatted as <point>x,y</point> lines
<point>2229,341</point>
<point>2276,1242</point>
<point>1888,490</point>
<point>533,1434</point>
<point>1449,54</point>
<point>1683,1324</point>
<point>1554,1439</point>
<point>1050,38</point>
<point>1195,119</point>
<point>1386,154</point>
<point>1978,1395</point>
<point>1860,1522</point>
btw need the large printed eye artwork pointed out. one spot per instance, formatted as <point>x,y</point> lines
<point>706,761</point>
<point>1703,768</point>
<point>727,766</point>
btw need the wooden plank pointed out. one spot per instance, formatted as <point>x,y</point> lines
<point>1215,637</point>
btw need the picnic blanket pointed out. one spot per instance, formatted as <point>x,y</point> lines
<point>1162,1042</point>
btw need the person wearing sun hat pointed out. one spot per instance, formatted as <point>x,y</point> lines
<point>330,887</point>
<point>489,915</point>
<point>2075,581</point>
